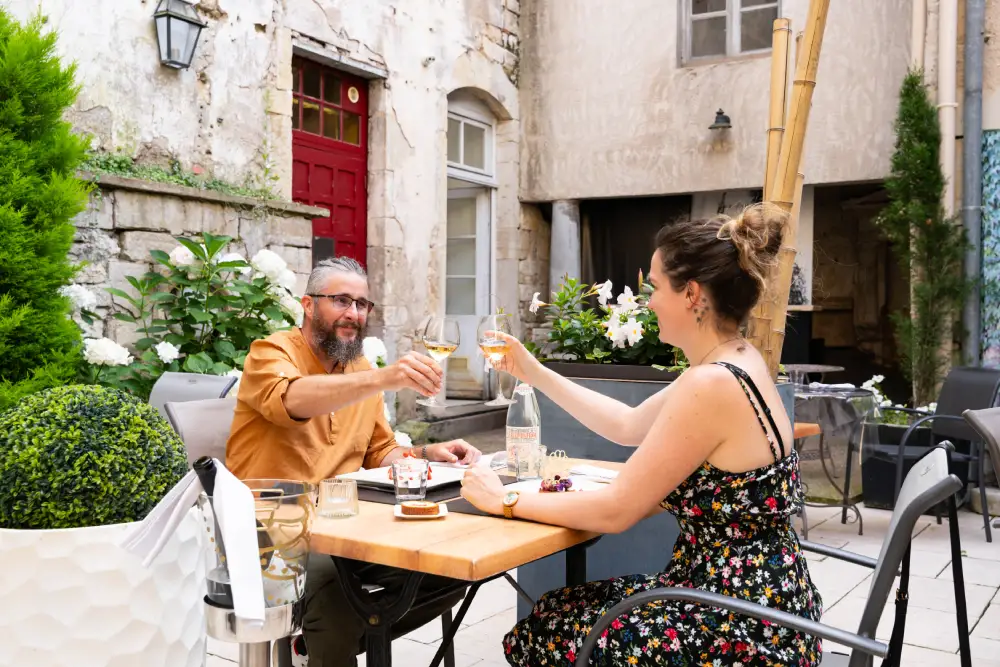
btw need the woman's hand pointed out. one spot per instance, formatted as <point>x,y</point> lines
<point>482,487</point>
<point>517,361</point>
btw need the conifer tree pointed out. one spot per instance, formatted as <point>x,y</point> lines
<point>39,196</point>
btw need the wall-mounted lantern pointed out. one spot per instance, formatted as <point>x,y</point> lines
<point>721,121</point>
<point>177,30</point>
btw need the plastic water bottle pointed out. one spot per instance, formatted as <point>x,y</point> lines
<point>524,424</point>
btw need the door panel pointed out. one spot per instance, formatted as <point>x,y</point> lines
<point>467,286</point>
<point>330,157</point>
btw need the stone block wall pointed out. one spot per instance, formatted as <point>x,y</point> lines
<point>127,218</point>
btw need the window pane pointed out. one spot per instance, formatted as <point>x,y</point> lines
<point>460,296</point>
<point>295,113</point>
<point>297,76</point>
<point>461,257</point>
<point>708,37</point>
<point>331,123</point>
<point>706,6</point>
<point>475,147</point>
<point>454,141</point>
<point>352,128</point>
<point>756,28</point>
<point>331,88</point>
<point>462,217</point>
<point>310,81</point>
<point>757,3</point>
<point>310,117</point>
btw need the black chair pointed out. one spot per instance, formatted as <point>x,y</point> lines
<point>987,425</point>
<point>965,388</point>
<point>929,483</point>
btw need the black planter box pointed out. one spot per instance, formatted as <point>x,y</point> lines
<point>878,467</point>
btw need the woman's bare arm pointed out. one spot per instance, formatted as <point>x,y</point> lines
<point>605,416</point>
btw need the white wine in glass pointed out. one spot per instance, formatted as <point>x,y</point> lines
<point>441,337</point>
<point>495,348</point>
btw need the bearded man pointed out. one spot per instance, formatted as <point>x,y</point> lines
<point>310,407</point>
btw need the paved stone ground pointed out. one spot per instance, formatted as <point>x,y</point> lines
<point>931,630</point>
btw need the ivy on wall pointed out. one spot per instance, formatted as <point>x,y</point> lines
<point>991,248</point>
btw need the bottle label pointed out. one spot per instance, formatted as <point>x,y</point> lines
<point>522,434</point>
<point>523,389</point>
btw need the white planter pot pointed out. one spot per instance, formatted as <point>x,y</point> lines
<point>73,598</point>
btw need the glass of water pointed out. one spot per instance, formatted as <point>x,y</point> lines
<point>338,498</point>
<point>409,476</point>
<point>529,461</point>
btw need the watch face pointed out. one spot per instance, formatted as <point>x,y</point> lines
<point>510,498</point>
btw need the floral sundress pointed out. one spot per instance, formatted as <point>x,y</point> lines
<point>736,539</point>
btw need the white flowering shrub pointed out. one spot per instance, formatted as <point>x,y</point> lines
<point>199,314</point>
<point>894,417</point>
<point>624,331</point>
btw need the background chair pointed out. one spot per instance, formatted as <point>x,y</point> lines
<point>965,388</point>
<point>179,387</point>
<point>202,425</point>
<point>928,483</point>
<point>987,425</point>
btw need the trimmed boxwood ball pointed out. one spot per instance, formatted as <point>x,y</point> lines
<point>84,455</point>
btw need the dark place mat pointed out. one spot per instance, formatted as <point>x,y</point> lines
<point>447,492</point>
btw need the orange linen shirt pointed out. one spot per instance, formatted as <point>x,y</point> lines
<point>265,442</point>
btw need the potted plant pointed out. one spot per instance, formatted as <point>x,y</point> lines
<point>79,465</point>
<point>198,313</point>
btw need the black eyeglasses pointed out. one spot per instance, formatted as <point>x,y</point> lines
<point>345,301</point>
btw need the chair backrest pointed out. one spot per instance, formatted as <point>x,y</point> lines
<point>927,484</point>
<point>965,388</point>
<point>987,425</point>
<point>177,387</point>
<point>203,425</point>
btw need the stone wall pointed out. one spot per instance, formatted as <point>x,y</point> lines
<point>126,218</point>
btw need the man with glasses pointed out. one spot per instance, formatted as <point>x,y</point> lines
<point>311,407</point>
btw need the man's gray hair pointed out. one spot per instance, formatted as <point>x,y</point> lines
<point>325,270</point>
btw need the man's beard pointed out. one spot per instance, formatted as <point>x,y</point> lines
<point>341,352</point>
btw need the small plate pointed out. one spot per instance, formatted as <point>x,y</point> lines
<point>442,512</point>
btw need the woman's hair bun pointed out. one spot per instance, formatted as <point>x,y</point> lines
<point>757,233</point>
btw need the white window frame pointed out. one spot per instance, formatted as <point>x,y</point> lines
<point>734,14</point>
<point>466,113</point>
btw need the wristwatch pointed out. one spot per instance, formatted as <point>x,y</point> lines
<point>509,500</point>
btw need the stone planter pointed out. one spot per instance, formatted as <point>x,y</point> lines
<point>628,384</point>
<point>73,597</point>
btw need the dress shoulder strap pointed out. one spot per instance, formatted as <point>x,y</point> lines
<point>745,381</point>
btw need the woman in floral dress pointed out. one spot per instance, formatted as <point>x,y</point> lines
<point>714,449</point>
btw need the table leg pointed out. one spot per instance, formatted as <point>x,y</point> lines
<point>576,563</point>
<point>378,615</point>
<point>449,637</point>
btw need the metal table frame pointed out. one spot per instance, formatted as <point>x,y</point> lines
<point>380,613</point>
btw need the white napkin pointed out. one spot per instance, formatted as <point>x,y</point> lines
<point>842,385</point>
<point>235,512</point>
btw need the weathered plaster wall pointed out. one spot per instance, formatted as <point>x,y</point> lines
<point>608,111</point>
<point>230,114</point>
<point>212,116</point>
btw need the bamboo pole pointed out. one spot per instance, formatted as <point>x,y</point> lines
<point>767,325</point>
<point>780,39</point>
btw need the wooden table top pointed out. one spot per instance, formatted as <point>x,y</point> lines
<point>459,546</point>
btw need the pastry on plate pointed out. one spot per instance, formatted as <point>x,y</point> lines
<point>419,508</point>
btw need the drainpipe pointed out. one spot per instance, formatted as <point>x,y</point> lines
<point>972,177</point>
<point>947,92</point>
<point>918,33</point>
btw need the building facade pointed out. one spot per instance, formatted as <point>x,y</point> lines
<point>474,152</point>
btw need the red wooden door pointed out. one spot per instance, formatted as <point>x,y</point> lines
<point>330,157</point>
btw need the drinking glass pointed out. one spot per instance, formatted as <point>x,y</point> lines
<point>529,461</point>
<point>495,348</point>
<point>338,498</point>
<point>409,478</point>
<point>441,337</point>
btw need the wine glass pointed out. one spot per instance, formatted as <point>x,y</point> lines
<point>495,348</point>
<point>441,337</point>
